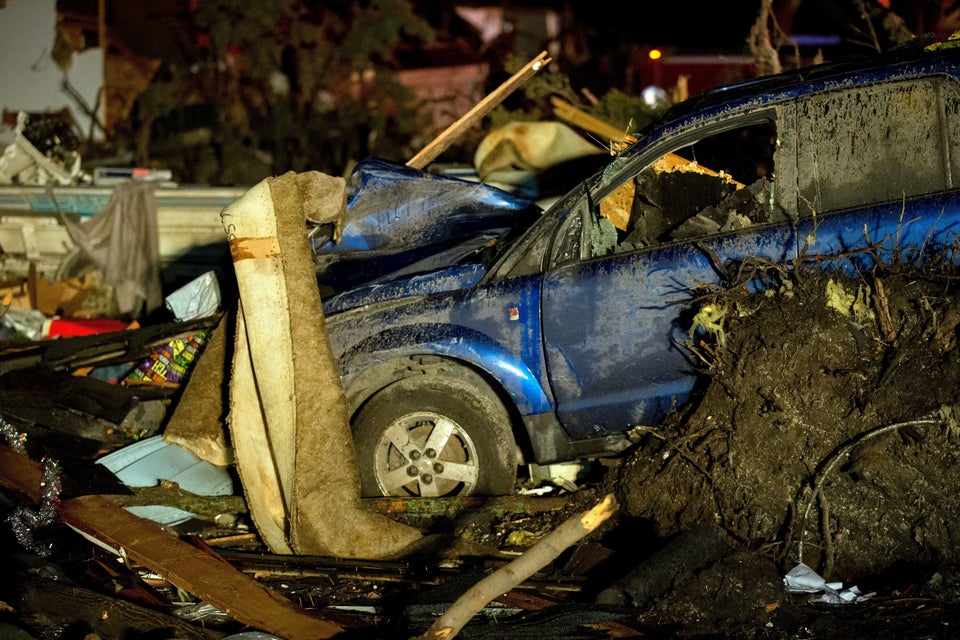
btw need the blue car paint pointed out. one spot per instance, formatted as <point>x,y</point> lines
<point>471,325</point>
<point>585,342</point>
<point>458,277</point>
<point>397,216</point>
<point>596,311</point>
<point>916,229</point>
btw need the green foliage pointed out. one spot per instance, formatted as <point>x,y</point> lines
<point>251,27</point>
<point>162,96</point>
<point>628,113</point>
<point>301,84</point>
<point>345,131</point>
<point>376,30</point>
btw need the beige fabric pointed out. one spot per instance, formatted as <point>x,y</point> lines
<point>530,146</point>
<point>253,450</point>
<point>198,421</point>
<point>295,454</point>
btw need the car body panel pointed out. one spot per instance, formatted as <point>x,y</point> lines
<point>472,326</point>
<point>397,216</point>
<point>583,327</point>
<point>597,312</point>
<point>914,230</point>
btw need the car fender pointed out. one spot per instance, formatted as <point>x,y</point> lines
<point>386,357</point>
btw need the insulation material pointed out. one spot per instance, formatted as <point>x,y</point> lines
<point>198,423</point>
<point>288,415</point>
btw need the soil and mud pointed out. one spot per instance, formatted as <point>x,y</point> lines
<point>826,435</point>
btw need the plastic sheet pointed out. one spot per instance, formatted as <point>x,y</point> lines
<point>198,298</point>
<point>803,579</point>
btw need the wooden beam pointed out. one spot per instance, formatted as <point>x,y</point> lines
<point>208,577</point>
<point>610,134</point>
<point>619,140</point>
<point>440,144</point>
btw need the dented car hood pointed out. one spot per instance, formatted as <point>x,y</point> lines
<point>401,221</point>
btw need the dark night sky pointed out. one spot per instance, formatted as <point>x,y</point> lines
<point>702,24</point>
<point>693,24</point>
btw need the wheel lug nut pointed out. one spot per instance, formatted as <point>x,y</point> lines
<point>431,453</point>
<point>415,455</point>
<point>426,479</point>
<point>437,467</point>
<point>412,471</point>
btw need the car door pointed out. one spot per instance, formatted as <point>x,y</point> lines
<point>892,186</point>
<point>618,299</point>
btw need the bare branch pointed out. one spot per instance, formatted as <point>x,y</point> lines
<point>509,576</point>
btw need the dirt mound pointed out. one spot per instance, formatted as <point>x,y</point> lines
<point>826,434</point>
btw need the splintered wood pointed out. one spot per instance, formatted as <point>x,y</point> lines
<point>509,576</point>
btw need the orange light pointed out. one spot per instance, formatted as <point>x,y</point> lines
<point>655,54</point>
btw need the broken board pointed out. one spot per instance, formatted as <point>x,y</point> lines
<point>208,577</point>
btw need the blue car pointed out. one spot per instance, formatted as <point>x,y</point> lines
<point>551,339</point>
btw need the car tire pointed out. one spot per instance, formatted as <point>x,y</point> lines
<point>432,435</point>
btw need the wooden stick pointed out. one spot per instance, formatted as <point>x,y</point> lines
<point>440,144</point>
<point>509,576</point>
<point>566,111</point>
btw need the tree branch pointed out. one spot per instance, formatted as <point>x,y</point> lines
<point>509,576</point>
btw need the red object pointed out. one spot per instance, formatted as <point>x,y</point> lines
<point>60,328</point>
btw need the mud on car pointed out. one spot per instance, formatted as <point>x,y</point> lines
<point>552,337</point>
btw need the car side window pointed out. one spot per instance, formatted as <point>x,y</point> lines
<point>950,95</point>
<point>870,145</point>
<point>718,183</point>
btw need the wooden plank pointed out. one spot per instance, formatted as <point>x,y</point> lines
<point>618,140</point>
<point>62,606</point>
<point>100,349</point>
<point>527,600</point>
<point>210,578</point>
<point>611,135</point>
<point>440,144</point>
<point>618,206</point>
